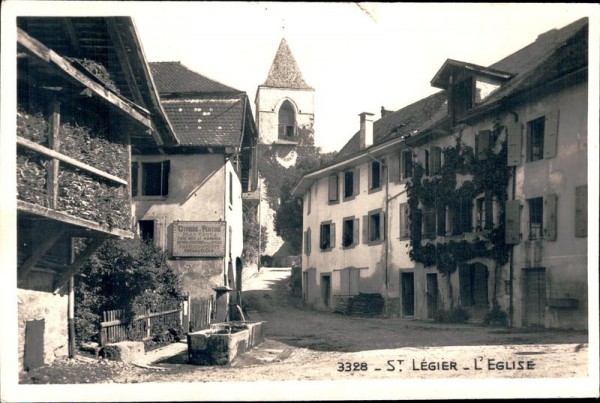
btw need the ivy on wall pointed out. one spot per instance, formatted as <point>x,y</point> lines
<point>487,175</point>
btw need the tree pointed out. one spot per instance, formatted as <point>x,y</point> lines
<point>251,236</point>
<point>128,274</point>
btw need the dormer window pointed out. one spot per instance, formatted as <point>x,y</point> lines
<point>287,121</point>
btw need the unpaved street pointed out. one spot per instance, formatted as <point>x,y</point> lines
<point>304,344</point>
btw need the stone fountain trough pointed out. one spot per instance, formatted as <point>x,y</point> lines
<point>223,342</point>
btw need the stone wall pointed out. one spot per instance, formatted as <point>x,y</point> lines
<point>37,305</point>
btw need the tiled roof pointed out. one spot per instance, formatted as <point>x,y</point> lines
<point>285,72</point>
<point>553,54</point>
<point>174,77</point>
<point>407,121</point>
<point>206,122</point>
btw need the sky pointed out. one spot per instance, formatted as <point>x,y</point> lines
<point>357,56</point>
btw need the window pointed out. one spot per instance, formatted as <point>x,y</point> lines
<point>375,176</point>
<point>348,184</point>
<point>482,144</point>
<point>441,220</point>
<point>429,216</point>
<point>426,162</point>
<point>406,164</point>
<point>536,216</point>
<point>308,202</point>
<point>435,161</point>
<point>404,221</point>
<point>473,279</point>
<point>146,230</point>
<point>480,206</point>
<point>374,227</point>
<point>350,232</point>
<point>287,120</point>
<point>333,189</point>
<point>327,240</point>
<point>307,240</point>
<point>535,139</point>
<point>461,216</point>
<point>462,97</point>
<point>134,179</point>
<point>155,179</point>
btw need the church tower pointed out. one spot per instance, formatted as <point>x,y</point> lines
<point>285,119</point>
<point>285,103</point>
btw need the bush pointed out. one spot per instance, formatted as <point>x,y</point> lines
<point>455,315</point>
<point>496,317</point>
<point>129,274</point>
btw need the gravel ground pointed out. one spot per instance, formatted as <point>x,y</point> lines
<point>303,344</point>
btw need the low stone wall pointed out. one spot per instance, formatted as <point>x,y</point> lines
<point>126,351</point>
<point>223,342</point>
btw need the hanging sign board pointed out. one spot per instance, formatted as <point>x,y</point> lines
<point>199,239</point>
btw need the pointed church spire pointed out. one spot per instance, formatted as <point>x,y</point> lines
<point>285,72</point>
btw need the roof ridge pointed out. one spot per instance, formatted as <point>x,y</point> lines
<point>176,77</point>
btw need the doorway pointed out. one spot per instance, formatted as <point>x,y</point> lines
<point>432,295</point>
<point>407,279</point>
<point>534,290</point>
<point>326,289</point>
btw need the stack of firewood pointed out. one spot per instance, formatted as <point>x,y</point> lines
<point>33,127</point>
<point>31,178</point>
<point>367,305</point>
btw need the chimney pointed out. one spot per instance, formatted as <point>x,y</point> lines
<point>366,130</point>
<point>383,112</point>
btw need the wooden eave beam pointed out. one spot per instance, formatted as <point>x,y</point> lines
<point>69,219</point>
<point>49,241</point>
<point>115,36</point>
<point>37,49</point>
<point>79,261</point>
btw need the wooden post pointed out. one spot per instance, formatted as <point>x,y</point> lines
<point>54,144</point>
<point>71,317</point>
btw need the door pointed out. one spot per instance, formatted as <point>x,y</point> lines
<point>408,294</point>
<point>304,286</point>
<point>534,290</point>
<point>432,295</point>
<point>34,344</point>
<point>326,289</point>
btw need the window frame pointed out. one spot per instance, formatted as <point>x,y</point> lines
<point>535,206</point>
<point>336,187</point>
<point>352,195</point>
<point>536,129</point>
<point>138,184</point>
<point>354,233</point>
<point>371,229</point>
<point>331,236</point>
<point>407,165</point>
<point>372,187</point>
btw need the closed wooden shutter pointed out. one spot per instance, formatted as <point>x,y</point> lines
<point>344,282</point>
<point>404,228</point>
<point>382,225</point>
<point>394,172</point>
<point>581,211</point>
<point>489,210</point>
<point>356,181</point>
<point>332,235</point>
<point>513,222</point>
<point>483,144</point>
<point>550,134</point>
<point>514,142</point>
<point>355,238</point>
<point>333,188</point>
<point>550,217</point>
<point>436,160</point>
<point>309,243</point>
<point>354,279</point>
<point>365,229</point>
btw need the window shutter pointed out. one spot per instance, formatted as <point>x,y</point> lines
<point>382,225</point>
<point>134,179</point>
<point>415,225</point>
<point>309,241</point>
<point>332,235</point>
<point>308,201</point>
<point>489,210</point>
<point>514,143</point>
<point>483,144</point>
<point>333,188</point>
<point>441,220</point>
<point>354,278</point>
<point>550,217</point>
<point>365,229</point>
<point>403,220</point>
<point>581,211</point>
<point>355,238</point>
<point>166,169</point>
<point>356,181</point>
<point>344,282</point>
<point>394,164</point>
<point>306,242</point>
<point>513,222</point>
<point>436,160</point>
<point>550,134</point>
